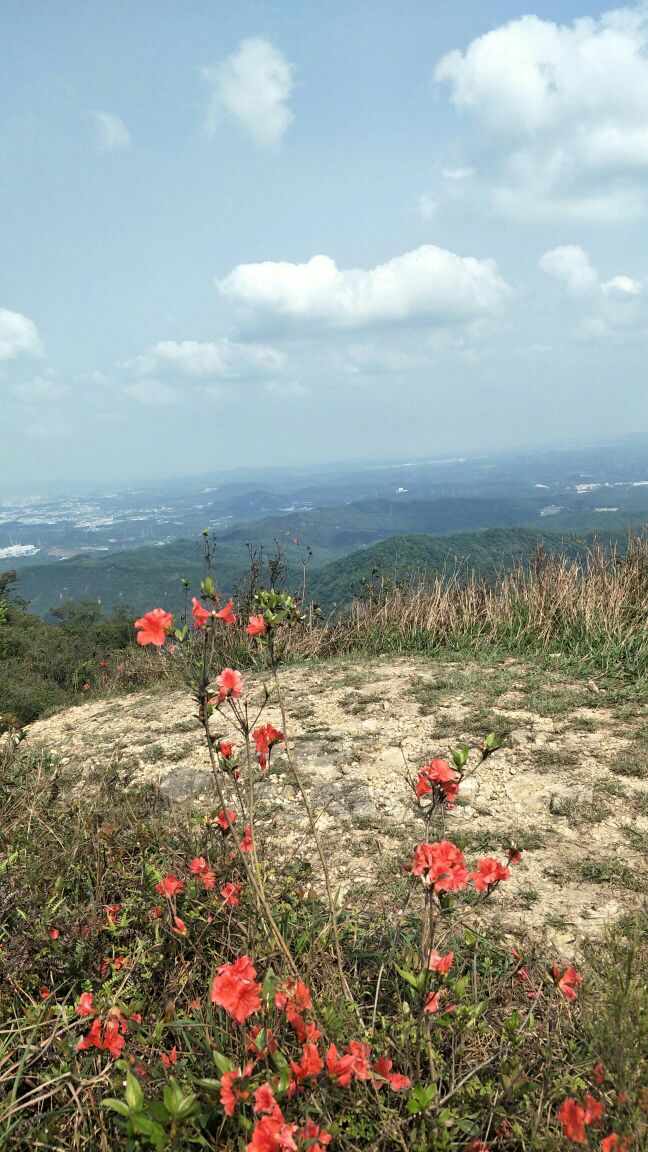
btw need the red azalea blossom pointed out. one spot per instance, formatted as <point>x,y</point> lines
<point>252,1044</point>
<point>272,1134</point>
<point>171,1058</point>
<point>156,912</point>
<point>246,842</point>
<point>256,626</point>
<point>314,1137</point>
<point>234,988</point>
<point>153,627</point>
<point>226,614</point>
<point>230,683</point>
<point>54,933</point>
<point>221,819</point>
<point>438,773</point>
<point>84,1007</point>
<point>230,1089</point>
<point>111,1041</point>
<point>198,865</point>
<point>594,1109</point>
<point>225,748</point>
<point>514,854</point>
<point>209,878</point>
<point>432,1004</point>
<point>265,738</point>
<point>567,983</point>
<point>180,927</point>
<point>170,886</point>
<point>441,865</point>
<point>477,1146</point>
<point>339,1068</point>
<point>489,872</point>
<point>599,1074</point>
<point>120,962</point>
<point>383,1070</point>
<point>311,1063</point>
<point>615,1143</point>
<point>44,993</point>
<point>111,914</point>
<point>361,1054</point>
<point>264,1100</point>
<point>441,964</point>
<point>230,894</point>
<point>573,1119</point>
<point>200,614</point>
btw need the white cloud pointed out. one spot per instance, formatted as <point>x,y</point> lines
<point>18,336</point>
<point>252,86</point>
<point>112,133</point>
<point>573,267</point>
<point>41,389</point>
<point>428,285</point>
<point>455,175</point>
<point>564,108</point>
<point>151,393</point>
<point>223,359</point>
<point>427,207</point>
<point>613,303</point>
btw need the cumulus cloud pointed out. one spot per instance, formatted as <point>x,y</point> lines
<point>18,336</point>
<point>573,267</point>
<point>112,133</point>
<point>428,285</point>
<point>564,108</point>
<point>252,86</point>
<point>613,303</point>
<point>223,359</point>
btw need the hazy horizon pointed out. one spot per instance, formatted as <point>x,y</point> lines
<point>266,236</point>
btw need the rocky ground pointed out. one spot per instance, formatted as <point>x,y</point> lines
<point>569,784</point>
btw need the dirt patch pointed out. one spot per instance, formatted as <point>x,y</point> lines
<point>357,728</point>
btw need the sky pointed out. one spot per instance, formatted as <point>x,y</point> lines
<point>281,233</point>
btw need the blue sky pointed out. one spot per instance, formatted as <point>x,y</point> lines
<point>267,233</point>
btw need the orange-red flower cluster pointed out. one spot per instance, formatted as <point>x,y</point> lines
<point>265,738</point>
<point>230,683</point>
<point>575,1117</point>
<point>438,777</point>
<point>153,627</point>
<point>235,989</point>
<point>568,983</point>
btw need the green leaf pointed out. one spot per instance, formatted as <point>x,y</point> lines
<point>134,1095</point>
<point>116,1106</point>
<point>223,1063</point>
<point>414,981</point>
<point>420,1098</point>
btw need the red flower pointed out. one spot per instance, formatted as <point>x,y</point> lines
<point>180,927</point>
<point>514,854</point>
<point>255,1038</point>
<point>593,1109</point>
<point>361,1054</point>
<point>256,626</point>
<point>339,1068</point>
<point>477,1146</point>
<point>54,933</point>
<point>614,1143</point>
<point>573,1120</point>
<point>221,819</point>
<point>438,773</point>
<point>225,748</point>
<point>153,627</point>
<point>311,1063</point>
<point>246,842</point>
<point>265,738</point>
<point>200,614</point>
<point>234,988</point>
<point>113,1042</point>
<point>441,865</point>
<point>230,683</point>
<point>86,687</point>
<point>599,1074</point>
<point>314,1137</point>
<point>171,1058</point>
<point>170,886</point>
<point>264,1100</point>
<point>226,614</point>
<point>230,894</point>
<point>441,964</point>
<point>568,982</point>
<point>383,1070</point>
<point>111,914</point>
<point>272,1134</point>
<point>432,1004</point>
<point>198,865</point>
<point>84,1007</point>
<point>92,1039</point>
<point>209,879</point>
<point>230,1089</point>
<point>44,992</point>
<point>489,872</point>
